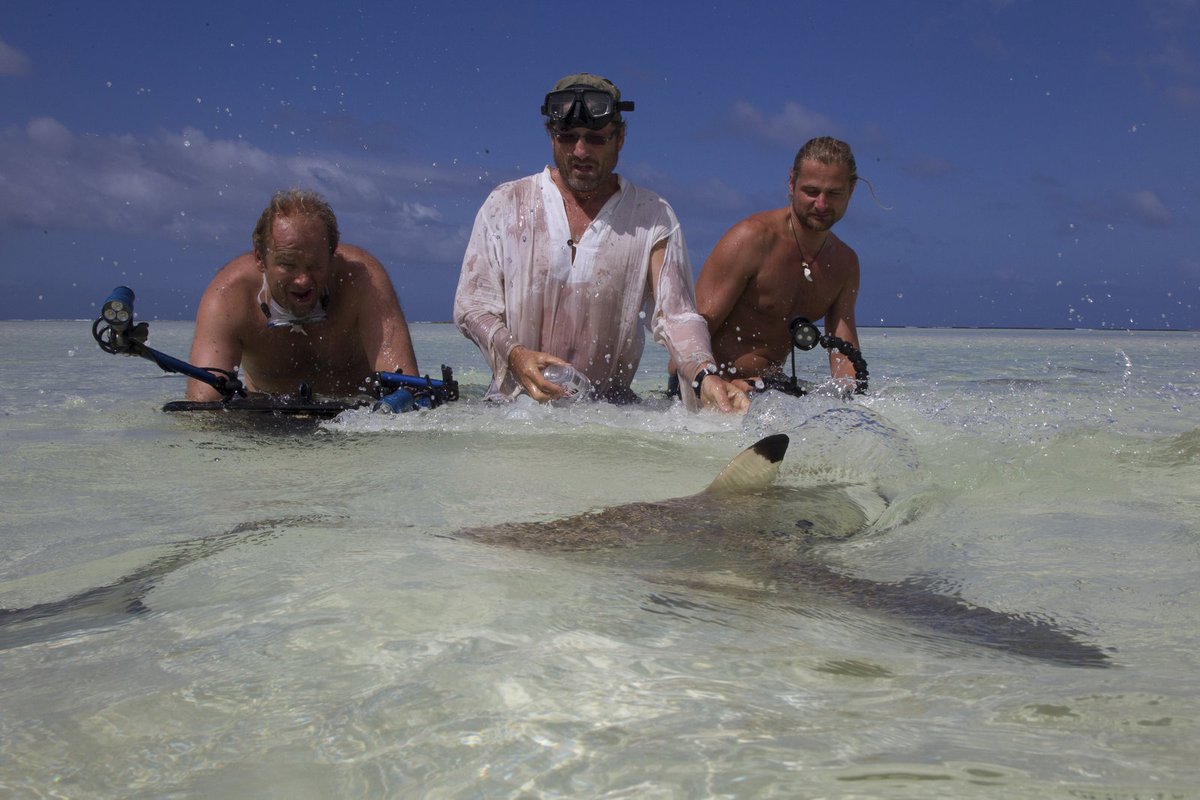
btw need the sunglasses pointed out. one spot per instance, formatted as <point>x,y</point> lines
<point>594,139</point>
<point>591,108</point>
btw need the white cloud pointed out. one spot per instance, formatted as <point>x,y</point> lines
<point>419,212</point>
<point>1147,208</point>
<point>791,125</point>
<point>699,192</point>
<point>188,187</point>
<point>13,62</point>
<point>49,135</point>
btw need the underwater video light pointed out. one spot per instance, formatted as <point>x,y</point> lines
<point>804,334</point>
<point>117,310</point>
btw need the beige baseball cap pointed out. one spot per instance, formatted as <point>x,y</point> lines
<point>588,79</point>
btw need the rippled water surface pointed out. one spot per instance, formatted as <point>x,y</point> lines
<point>299,610</point>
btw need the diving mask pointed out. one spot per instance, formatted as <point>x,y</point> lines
<point>280,317</point>
<point>583,106</point>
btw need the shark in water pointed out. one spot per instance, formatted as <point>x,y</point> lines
<point>744,521</point>
<point>122,600</point>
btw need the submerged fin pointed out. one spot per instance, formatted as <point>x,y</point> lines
<point>754,468</point>
<point>123,599</point>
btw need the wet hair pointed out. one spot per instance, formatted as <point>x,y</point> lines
<point>829,151</point>
<point>289,203</point>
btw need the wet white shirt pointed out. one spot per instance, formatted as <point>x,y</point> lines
<point>519,285</point>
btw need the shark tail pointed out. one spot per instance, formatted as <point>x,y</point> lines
<point>754,468</point>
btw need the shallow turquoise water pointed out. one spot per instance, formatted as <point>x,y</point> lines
<point>341,638</point>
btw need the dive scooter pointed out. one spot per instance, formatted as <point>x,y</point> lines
<point>117,331</point>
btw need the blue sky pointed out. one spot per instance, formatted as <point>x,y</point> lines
<point>1035,162</point>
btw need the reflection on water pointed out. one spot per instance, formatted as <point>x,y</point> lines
<point>312,622</point>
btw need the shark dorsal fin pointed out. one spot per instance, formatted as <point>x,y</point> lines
<point>754,468</point>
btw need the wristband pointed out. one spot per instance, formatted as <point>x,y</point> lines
<point>701,375</point>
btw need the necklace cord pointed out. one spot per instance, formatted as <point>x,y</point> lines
<point>804,260</point>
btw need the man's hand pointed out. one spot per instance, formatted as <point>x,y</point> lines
<point>723,395</point>
<point>527,365</point>
<point>747,386</point>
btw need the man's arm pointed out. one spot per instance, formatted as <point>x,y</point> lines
<point>685,332</point>
<point>479,299</point>
<point>216,343</point>
<point>727,273</point>
<point>479,312</point>
<point>839,322</point>
<point>386,340</point>
<point>728,270</point>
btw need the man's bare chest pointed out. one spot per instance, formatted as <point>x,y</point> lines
<point>791,289</point>
<point>283,351</point>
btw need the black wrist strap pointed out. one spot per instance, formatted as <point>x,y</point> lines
<point>698,381</point>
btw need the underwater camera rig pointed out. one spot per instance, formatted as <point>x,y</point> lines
<point>116,331</point>
<point>806,336</point>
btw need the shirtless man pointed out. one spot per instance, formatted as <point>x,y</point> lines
<point>777,265</point>
<point>572,264</point>
<point>300,308</point>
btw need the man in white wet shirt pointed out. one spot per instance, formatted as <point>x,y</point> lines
<point>569,266</point>
<point>300,308</point>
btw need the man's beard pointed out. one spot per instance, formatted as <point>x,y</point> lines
<point>585,185</point>
<point>809,223</point>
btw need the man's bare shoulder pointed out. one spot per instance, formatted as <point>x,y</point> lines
<point>229,304</point>
<point>761,228</point>
<point>356,266</point>
<point>364,281</point>
<point>751,238</point>
<point>843,252</point>
<point>352,252</point>
<point>749,241</point>
<point>239,278</point>
<point>356,259</point>
<point>243,268</point>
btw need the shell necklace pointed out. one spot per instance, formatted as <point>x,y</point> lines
<point>803,260</point>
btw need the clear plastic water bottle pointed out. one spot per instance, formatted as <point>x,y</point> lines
<point>575,384</point>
